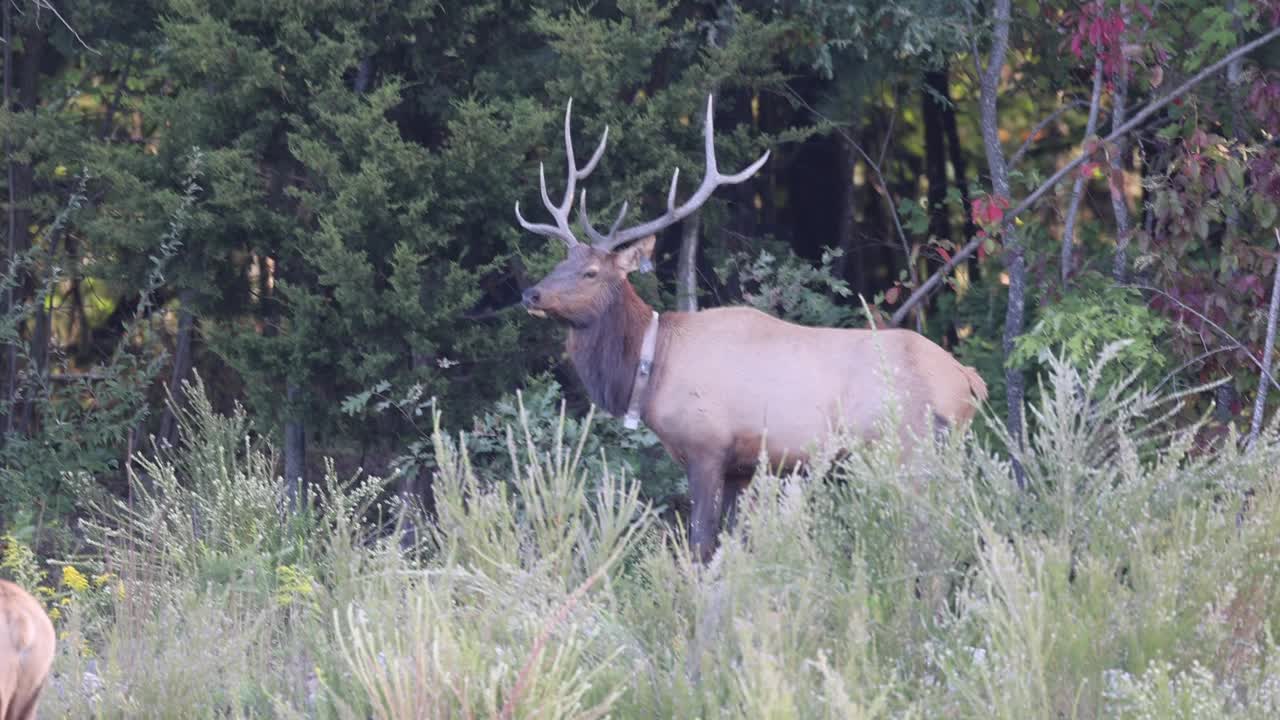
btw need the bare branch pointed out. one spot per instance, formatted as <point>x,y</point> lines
<point>1235,344</point>
<point>1077,188</point>
<point>881,186</point>
<point>1268,347</point>
<point>49,6</point>
<point>1017,156</point>
<point>1137,120</point>
<point>1199,358</point>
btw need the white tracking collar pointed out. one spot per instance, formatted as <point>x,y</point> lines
<point>632,419</point>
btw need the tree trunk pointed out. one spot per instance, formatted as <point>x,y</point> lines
<point>1119,203</point>
<point>1268,359</point>
<point>687,266</point>
<point>1235,75</point>
<point>850,253</point>
<point>295,447</point>
<point>21,185</point>
<point>1015,260</point>
<point>959,166</point>
<point>38,347</point>
<point>10,379</point>
<point>935,154</point>
<point>182,362</point>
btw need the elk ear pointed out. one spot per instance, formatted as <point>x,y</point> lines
<point>636,256</point>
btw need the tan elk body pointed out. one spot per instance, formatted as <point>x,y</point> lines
<point>26,652</point>
<point>729,382</point>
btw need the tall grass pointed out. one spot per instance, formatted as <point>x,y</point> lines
<point>1133,580</point>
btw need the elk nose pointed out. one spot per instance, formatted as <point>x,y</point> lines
<point>531,297</point>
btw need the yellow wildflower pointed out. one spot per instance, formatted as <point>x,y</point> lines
<point>55,613</point>
<point>100,580</point>
<point>60,171</point>
<point>293,582</point>
<point>74,579</point>
<point>19,560</point>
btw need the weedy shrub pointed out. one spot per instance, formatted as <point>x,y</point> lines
<point>1134,579</point>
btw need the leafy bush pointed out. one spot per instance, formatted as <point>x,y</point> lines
<point>540,408</point>
<point>1080,325</point>
<point>786,286</point>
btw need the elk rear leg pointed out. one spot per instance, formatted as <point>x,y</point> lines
<point>707,493</point>
<point>734,484</point>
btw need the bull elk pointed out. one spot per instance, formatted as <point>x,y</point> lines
<point>26,652</point>
<point>712,384</point>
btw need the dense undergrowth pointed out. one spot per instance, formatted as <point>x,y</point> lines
<point>1136,578</point>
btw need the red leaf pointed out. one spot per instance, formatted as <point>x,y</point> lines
<point>946,256</point>
<point>979,209</point>
<point>891,295</point>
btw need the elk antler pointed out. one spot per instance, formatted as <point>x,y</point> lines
<point>711,179</point>
<point>561,212</point>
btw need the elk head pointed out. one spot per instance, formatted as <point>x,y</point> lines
<point>590,278</point>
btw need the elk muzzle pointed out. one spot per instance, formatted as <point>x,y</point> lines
<point>532,297</point>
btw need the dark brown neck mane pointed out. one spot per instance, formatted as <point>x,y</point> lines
<point>606,351</point>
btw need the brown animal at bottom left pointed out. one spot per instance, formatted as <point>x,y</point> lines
<point>27,642</point>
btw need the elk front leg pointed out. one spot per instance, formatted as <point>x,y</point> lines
<point>707,492</point>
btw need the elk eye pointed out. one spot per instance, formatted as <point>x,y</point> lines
<point>590,273</point>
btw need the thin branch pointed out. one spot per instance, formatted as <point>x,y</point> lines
<point>893,125</point>
<point>108,119</point>
<point>46,4</point>
<point>922,292</point>
<point>1077,188</point>
<point>1017,156</point>
<point>1268,347</point>
<point>1178,370</point>
<point>882,186</point>
<point>1235,344</point>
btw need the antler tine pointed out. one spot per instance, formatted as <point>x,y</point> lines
<point>560,213</point>
<point>613,230</point>
<point>594,235</point>
<point>711,179</point>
